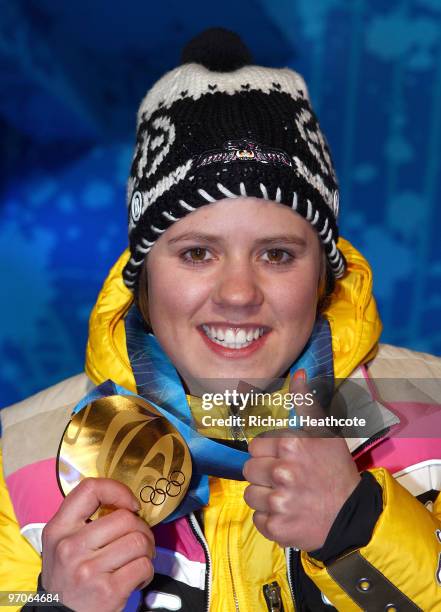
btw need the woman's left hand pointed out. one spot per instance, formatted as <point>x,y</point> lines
<point>298,484</point>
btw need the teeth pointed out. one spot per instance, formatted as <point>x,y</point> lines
<point>232,339</point>
<point>230,336</point>
<point>241,337</point>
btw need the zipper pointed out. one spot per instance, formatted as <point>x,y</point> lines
<point>197,531</point>
<point>289,552</point>
<point>273,597</point>
<point>237,429</point>
<point>236,599</point>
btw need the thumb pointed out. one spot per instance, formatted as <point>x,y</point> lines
<point>309,411</point>
<point>89,495</point>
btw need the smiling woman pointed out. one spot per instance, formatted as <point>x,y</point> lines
<point>235,293</point>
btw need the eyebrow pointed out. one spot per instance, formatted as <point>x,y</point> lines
<point>211,238</point>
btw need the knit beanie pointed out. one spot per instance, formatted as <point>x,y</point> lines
<point>219,127</point>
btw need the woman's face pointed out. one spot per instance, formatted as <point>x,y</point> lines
<point>233,292</point>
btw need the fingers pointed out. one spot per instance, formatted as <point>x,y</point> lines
<point>281,443</point>
<point>273,527</point>
<point>266,500</point>
<point>288,447</point>
<point>259,470</point>
<point>111,527</point>
<point>122,551</point>
<point>260,520</point>
<point>91,493</point>
<point>272,497</point>
<point>264,445</point>
<point>134,575</point>
<point>299,479</point>
<point>97,564</point>
<point>257,498</point>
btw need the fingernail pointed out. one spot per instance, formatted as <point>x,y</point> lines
<point>300,374</point>
<point>136,505</point>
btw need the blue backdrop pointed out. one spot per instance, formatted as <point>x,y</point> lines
<point>72,75</point>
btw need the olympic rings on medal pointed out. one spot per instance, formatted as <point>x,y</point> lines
<point>158,494</point>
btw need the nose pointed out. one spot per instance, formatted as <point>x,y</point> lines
<point>238,286</point>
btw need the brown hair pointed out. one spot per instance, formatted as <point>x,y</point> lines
<point>141,295</point>
<point>326,285</point>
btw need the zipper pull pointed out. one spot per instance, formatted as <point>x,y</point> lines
<point>273,597</point>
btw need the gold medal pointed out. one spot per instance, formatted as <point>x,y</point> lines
<point>126,438</point>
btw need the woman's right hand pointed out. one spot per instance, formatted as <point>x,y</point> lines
<point>96,565</point>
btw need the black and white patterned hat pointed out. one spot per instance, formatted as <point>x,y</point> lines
<point>219,127</point>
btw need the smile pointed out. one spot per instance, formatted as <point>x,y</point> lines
<point>233,338</point>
